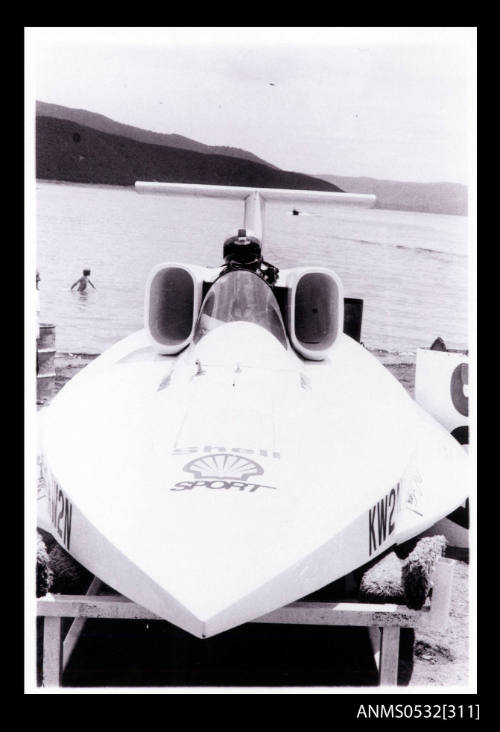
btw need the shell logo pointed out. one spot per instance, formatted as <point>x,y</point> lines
<point>222,471</point>
<point>223,465</point>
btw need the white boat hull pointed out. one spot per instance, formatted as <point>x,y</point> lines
<point>212,488</point>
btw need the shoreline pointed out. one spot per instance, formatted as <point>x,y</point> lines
<point>55,182</point>
<point>117,186</point>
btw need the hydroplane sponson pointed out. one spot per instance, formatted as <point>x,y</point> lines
<point>241,451</point>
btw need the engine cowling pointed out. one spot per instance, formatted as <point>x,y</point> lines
<point>173,296</point>
<point>315,310</point>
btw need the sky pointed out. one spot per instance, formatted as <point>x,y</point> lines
<point>390,103</point>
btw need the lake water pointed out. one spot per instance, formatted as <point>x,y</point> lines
<point>409,268</point>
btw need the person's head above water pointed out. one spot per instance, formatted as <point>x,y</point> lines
<point>86,272</point>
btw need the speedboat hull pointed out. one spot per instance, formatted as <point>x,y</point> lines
<point>215,486</point>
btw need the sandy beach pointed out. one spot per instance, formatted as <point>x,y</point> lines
<point>439,658</point>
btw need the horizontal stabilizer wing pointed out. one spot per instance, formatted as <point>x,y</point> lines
<point>255,198</point>
<point>268,194</point>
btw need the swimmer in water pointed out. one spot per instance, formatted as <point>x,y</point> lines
<point>82,282</point>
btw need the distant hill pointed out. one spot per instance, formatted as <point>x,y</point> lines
<point>118,162</point>
<point>446,198</point>
<point>68,151</point>
<point>105,124</point>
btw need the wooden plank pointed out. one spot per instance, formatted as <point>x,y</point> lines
<point>375,638</point>
<point>77,625</point>
<point>389,656</point>
<point>297,613</point>
<point>441,593</point>
<point>71,639</point>
<point>52,651</point>
<point>344,613</point>
<point>307,613</point>
<point>102,606</point>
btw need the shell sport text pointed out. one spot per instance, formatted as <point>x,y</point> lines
<point>222,471</point>
<point>219,484</point>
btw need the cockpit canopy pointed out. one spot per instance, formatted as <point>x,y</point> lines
<point>238,296</point>
<point>310,298</point>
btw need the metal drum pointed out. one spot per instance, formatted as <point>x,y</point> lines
<point>46,374</point>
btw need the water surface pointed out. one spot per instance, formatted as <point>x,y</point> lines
<point>409,268</point>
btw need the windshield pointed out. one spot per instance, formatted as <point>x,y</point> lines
<point>240,296</point>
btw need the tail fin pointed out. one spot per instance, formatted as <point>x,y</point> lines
<point>255,198</point>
